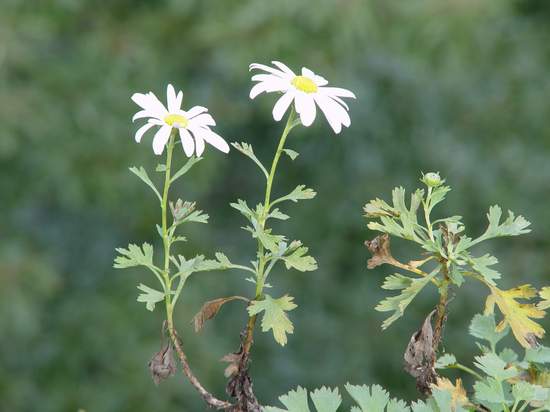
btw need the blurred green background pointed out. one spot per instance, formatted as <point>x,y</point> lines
<point>459,86</point>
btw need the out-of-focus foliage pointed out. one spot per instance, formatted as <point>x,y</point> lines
<point>456,86</point>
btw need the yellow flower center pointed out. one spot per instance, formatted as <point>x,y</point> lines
<point>176,120</point>
<point>304,84</point>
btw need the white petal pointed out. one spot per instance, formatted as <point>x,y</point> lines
<point>199,141</point>
<point>320,81</point>
<point>264,77</point>
<point>305,106</point>
<point>141,131</point>
<point>308,73</point>
<point>156,106</point>
<point>195,111</point>
<point>141,100</point>
<point>140,115</point>
<point>215,140</point>
<point>336,115</point>
<point>160,139</point>
<point>282,105</point>
<point>187,142</point>
<point>156,121</point>
<point>171,97</point>
<point>285,69</point>
<point>268,69</point>
<point>336,91</point>
<point>269,87</point>
<point>204,120</point>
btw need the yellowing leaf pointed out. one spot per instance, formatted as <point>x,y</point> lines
<point>545,296</point>
<point>518,315</point>
<point>457,391</point>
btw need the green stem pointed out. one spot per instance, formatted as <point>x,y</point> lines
<point>260,276</point>
<point>211,401</point>
<point>427,214</point>
<point>465,369</point>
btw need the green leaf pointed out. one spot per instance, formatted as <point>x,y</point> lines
<point>161,167</point>
<point>326,400</point>
<point>142,174</point>
<point>369,399</point>
<point>484,327</point>
<point>538,355</point>
<point>134,256</point>
<point>298,259</point>
<point>277,214</point>
<point>396,220</point>
<point>185,168</point>
<point>508,355</point>
<point>149,296</point>
<point>294,401</point>
<point>512,226</point>
<point>396,405</point>
<point>247,150</point>
<point>291,153</point>
<point>410,288</point>
<point>242,207</point>
<point>493,366</point>
<point>525,391</point>
<point>445,360</point>
<point>275,317</point>
<point>437,196</point>
<point>481,264</point>
<point>489,390</point>
<point>183,212</point>
<point>299,193</point>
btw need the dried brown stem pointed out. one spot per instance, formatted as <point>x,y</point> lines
<point>210,399</point>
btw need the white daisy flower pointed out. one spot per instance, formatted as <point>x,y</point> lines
<point>306,90</point>
<point>193,125</point>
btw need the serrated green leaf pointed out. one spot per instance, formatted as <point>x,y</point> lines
<point>142,174</point>
<point>538,355</point>
<point>525,391</point>
<point>489,390</point>
<point>149,296</point>
<point>185,168</point>
<point>493,366</point>
<point>326,399</point>
<point>369,399</point>
<point>445,360</point>
<point>291,153</point>
<point>134,256</point>
<point>274,317</point>
<point>277,214</point>
<point>299,193</point>
<point>298,259</point>
<point>410,288</point>
<point>481,265</point>
<point>248,151</point>
<point>294,401</point>
<point>242,207</point>
<point>508,355</point>
<point>396,405</point>
<point>484,327</point>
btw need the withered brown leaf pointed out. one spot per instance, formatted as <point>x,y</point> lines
<point>211,309</point>
<point>163,365</point>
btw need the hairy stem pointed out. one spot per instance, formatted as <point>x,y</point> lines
<point>290,123</point>
<point>441,312</point>
<point>210,399</point>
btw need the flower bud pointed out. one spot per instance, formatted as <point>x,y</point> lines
<point>432,179</point>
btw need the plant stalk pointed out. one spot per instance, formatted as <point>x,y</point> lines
<point>260,279</point>
<point>210,399</point>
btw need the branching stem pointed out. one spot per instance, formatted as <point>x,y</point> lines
<point>210,399</point>
<point>261,275</point>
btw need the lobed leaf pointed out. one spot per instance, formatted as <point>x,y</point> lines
<point>274,317</point>
<point>518,315</point>
<point>134,256</point>
<point>484,327</point>
<point>149,296</point>
<point>410,288</point>
<point>142,174</point>
<point>185,168</point>
<point>299,193</point>
<point>248,151</point>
